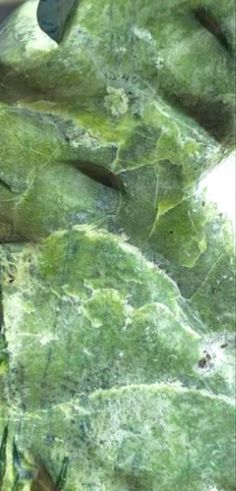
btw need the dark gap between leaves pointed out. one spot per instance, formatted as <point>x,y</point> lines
<point>207,20</point>
<point>99,174</point>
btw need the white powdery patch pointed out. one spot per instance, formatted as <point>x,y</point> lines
<point>13,318</point>
<point>14,311</point>
<point>220,187</point>
<point>47,337</point>
<point>143,34</point>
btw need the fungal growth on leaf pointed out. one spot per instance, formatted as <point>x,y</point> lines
<point>117,288</point>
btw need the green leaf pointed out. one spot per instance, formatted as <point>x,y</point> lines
<point>117,360</point>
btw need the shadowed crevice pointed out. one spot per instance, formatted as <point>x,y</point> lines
<point>43,480</point>
<point>208,21</point>
<point>15,86</point>
<point>3,455</point>
<point>217,118</point>
<point>99,174</point>
<point>5,185</point>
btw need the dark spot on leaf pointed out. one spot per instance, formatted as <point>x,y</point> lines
<point>11,278</point>
<point>203,363</point>
<point>224,345</point>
